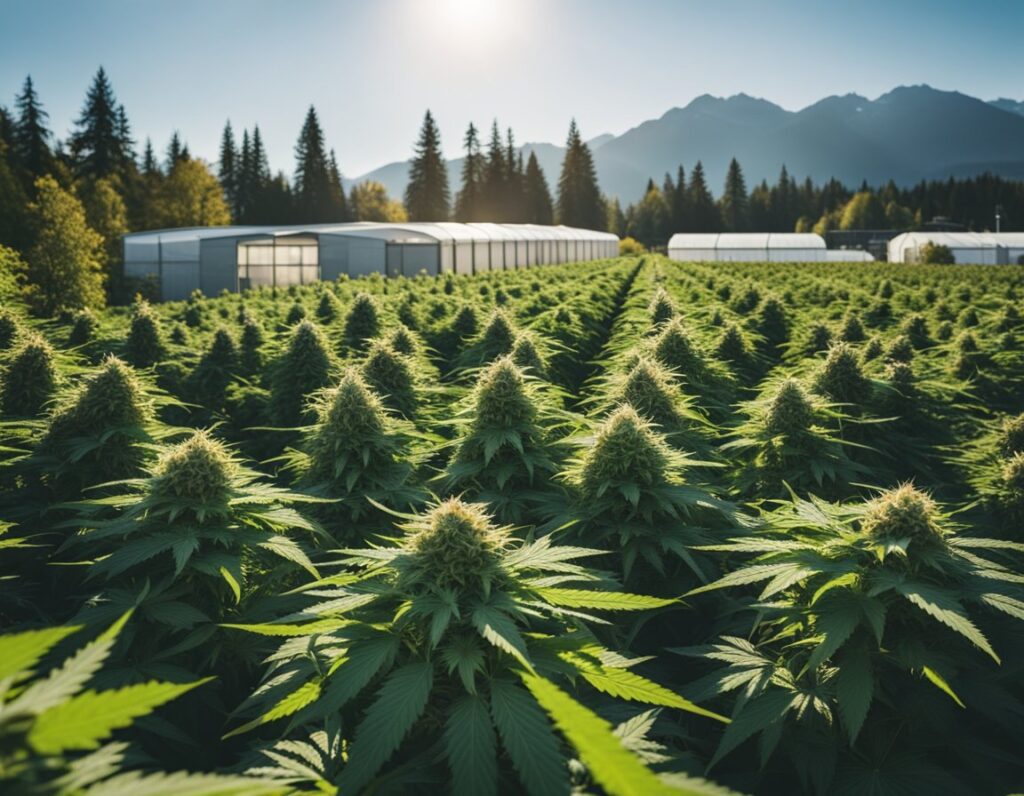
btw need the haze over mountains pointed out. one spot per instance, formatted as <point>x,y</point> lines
<point>908,134</point>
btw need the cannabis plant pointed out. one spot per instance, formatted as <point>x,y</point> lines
<point>785,440</point>
<point>357,455</point>
<point>633,494</point>
<point>57,731</point>
<point>145,345</point>
<point>506,450</point>
<point>466,638</point>
<point>860,609</point>
<point>362,323</point>
<point>102,430</point>
<point>198,534</point>
<point>28,379</point>
<point>304,367</point>
<point>393,376</point>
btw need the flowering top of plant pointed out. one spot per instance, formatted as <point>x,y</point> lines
<point>144,346</point>
<point>504,451</point>
<point>362,322</point>
<point>786,437</point>
<point>29,378</point>
<point>356,452</point>
<point>841,377</point>
<point>461,625</point>
<point>848,594</point>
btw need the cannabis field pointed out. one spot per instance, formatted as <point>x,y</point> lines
<point>624,527</point>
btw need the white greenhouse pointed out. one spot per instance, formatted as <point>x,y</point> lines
<point>775,247</point>
<point>212,259</point>
<point>976,248</point>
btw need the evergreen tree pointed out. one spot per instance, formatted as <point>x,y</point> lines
<point>14,227</point>
<point>539,208</point>
<point>783,206</point>
<point>336,189</point>
<point>703,212</point>
<point>149,165</point>
<point>317,198</point>
<point>495,172</point>
<point>125,144</point>
<point>579,199</point>
<point>649,222</point>
<point>96,144</point>
<point>227,169</point>
<point>733,206</point>
<point>427,197</point>
<point>678,204</point>
<point>514,199</point>
<point>30,143</point>
<point>467,203</point>
<point>177,151</point>
<point>245,189</point>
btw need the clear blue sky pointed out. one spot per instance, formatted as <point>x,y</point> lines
<point>372,67</point>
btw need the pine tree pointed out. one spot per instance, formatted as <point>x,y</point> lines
<point>314,197</point>
<point>427,197</point>
<point>95,144</point>
<point>244,180</point>
<point>703,212</point>
<point>149,165</point>
<point>513,203</point>
<point>733,206</point>
<point>579,199</point>
<point>467,204</point>
<point>337,192</point>
<point>495,171</point>
<point>177,151</point>
<point>539,208</point>
<point>125,144</point>
<point>31,137</point>
<point>227,171</point>
<point>679,206</point>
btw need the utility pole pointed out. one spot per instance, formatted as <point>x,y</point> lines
<point>999,216</point>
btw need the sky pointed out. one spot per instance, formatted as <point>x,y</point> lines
<point>372,67</point>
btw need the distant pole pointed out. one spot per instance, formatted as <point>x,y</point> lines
<point>999,215</point>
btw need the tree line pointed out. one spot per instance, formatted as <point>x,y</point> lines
<point>682,204</point>
<point>81,195</point>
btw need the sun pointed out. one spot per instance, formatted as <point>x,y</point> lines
<point>480,17</point>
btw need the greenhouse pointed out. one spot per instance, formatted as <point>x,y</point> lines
<point>977,248</point>
<point>213,259</point>
<point>779,247</point>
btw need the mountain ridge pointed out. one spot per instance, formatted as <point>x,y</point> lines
<point>907,134</point>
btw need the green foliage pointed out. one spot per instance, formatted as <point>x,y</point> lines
<point>303,368</point>
<point>66,263</point>
<point>29,378</point>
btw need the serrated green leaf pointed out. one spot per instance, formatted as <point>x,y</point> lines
<point>470,747</point>
<point>398,706</point>
<point>944,607</point>
<point>86,719</point>
<point>614,768</point>
<point>527,736</point>
<point>602,600</point>
<point>855,688</point>
<point>19,652</point>
<point>624,684</point>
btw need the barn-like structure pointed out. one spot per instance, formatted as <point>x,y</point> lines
<point>212,259</point>
<point>760,247</point>
<point>976,248</point>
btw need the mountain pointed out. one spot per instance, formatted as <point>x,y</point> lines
<point>1004,104</point>
<point>906,135</point>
